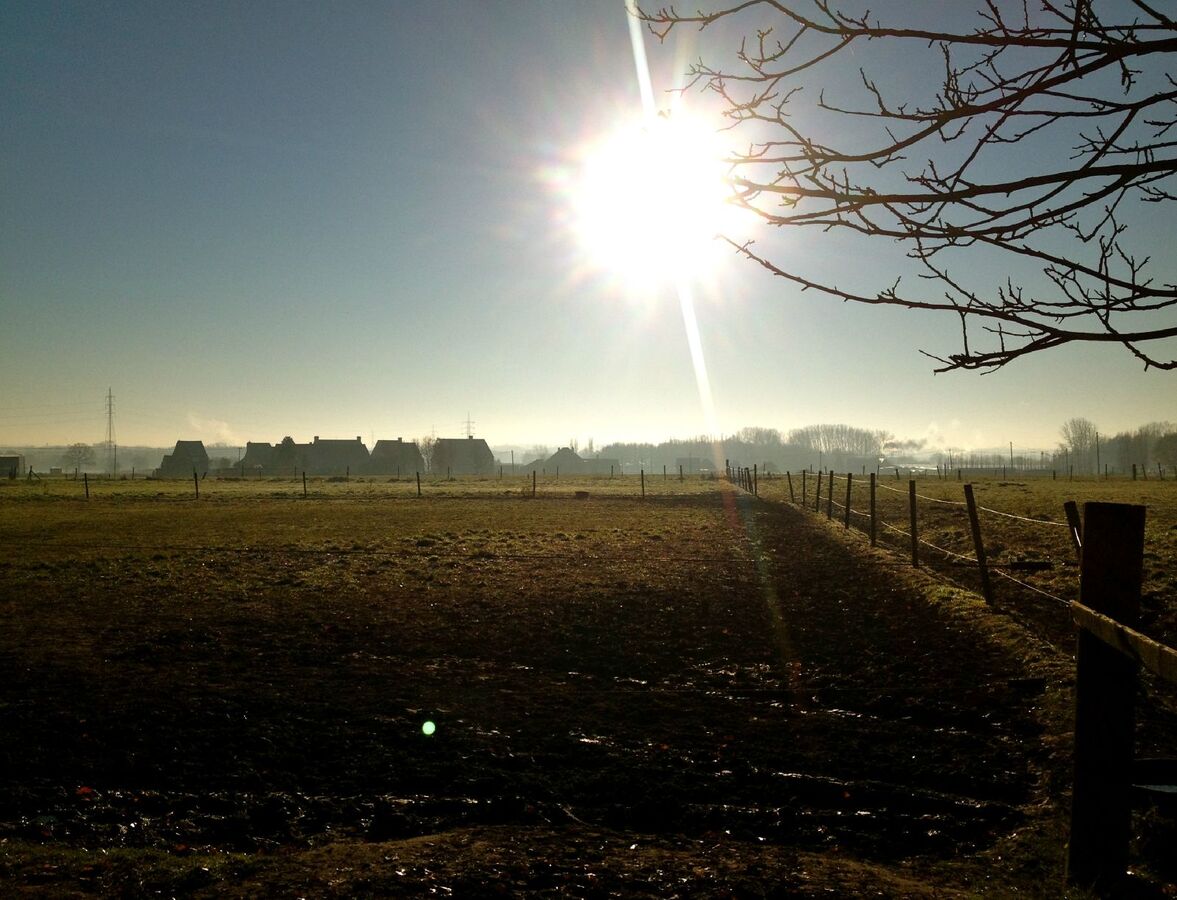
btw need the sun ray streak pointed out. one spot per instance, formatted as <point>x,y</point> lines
<point>638,43</point>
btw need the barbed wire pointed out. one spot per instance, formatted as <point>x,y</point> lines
<point>998,512</point>
<point>1030,587</point>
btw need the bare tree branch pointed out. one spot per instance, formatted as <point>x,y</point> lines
<point>1042,135</point>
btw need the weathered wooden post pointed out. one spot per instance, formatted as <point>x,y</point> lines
<point>1075,527</point>
<point>418,484</point>
<point>86,484</point>
<point>830,495</point>
<point>643,472</point>
<point>196,483</point>
<point>533,483</point>
<point>817,494</point>
<point>804,495</point>
<point>1110,574</point>
<point>915,541</point>
<point>755,479</point>
<point>849,477</point>
<point>978,544</point>
<point>1133,471</point>
<point>872,509</point>
<point>680,478</point>
<point>304,482</point>
<point>792,497</point>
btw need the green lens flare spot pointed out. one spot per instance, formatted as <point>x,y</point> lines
<point>428,728</point>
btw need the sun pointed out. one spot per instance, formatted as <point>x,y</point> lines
<point>651,198</point>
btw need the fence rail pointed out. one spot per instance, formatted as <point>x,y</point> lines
<point>1109,543</point>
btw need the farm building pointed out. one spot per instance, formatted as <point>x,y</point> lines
<point>462,456</point>
<point>564,460</point>
<point>186,458</point>
<point>599,465</point>
<point>336,457</point>
<point>12,465</point>
<point>258,458</point>
<point>395,458</point>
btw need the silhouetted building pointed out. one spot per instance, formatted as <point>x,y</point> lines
<point>334,457</point>
<point>12,465</point>
<point>462,456</point>
<point>186,458</point>
<point>258,458</point>
<point>565,460</point>
<point>600,465</point>
<point>395,458</point>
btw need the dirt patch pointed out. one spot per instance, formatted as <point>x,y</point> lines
<point>706,695</point>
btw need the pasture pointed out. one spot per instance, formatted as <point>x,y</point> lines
<point>698,694</point>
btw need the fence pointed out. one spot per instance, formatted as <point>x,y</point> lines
<point>1109,544</point>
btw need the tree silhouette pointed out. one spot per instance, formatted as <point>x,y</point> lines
<point>1044,129</point>
<point>78,455</point>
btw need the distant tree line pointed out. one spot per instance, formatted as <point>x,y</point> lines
<point>1088,451</point>
<point>824,446</point>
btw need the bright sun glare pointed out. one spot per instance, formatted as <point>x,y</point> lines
<point>651,198</point>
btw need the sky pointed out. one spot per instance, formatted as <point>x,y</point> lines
<point>252,220</point>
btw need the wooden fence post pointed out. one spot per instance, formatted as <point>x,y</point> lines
<point>978,544</point>
<point>533,482</point>
<point>304,482</point>
<point>849,476</point>
<point>680,478</point>
<point>196,483</point>
<point>915,541</point>
<point>1110,574</point>
<point>872,509</point>
<point>1075,527</point>
<point>86,484</point>
<point>817,494</point>
<point>755,480</point>
<point>830,496</point>
<point>792,496</point>
<point>418,484</point>
<point>804,493</point>
<point>643,484</point>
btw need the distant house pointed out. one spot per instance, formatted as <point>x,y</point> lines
<point>462,456</point>
<point>186,458</point>
<point>336,457</point>
<point>258,458</point>
<point>12,465</point>
<point>395,458</point>
<point>564,460</point>
<point>599,465</point>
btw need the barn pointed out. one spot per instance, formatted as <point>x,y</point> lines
<point>395,458</point>
<point>462,456</point>
<point>186,458</point>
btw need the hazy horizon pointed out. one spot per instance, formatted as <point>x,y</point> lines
<point>256,220</point>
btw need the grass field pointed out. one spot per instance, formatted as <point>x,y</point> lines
<point>1032,530</point>
<point>700,694</point>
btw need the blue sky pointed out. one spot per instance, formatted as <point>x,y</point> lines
<point>258,219</point>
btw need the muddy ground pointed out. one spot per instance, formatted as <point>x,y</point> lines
<point>737,702</point>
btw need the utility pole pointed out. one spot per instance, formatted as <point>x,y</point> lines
<point>112,460</point>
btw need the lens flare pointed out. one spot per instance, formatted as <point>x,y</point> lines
<point>651,198</point>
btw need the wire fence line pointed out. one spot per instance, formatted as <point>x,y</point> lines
<point>878,520</point>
